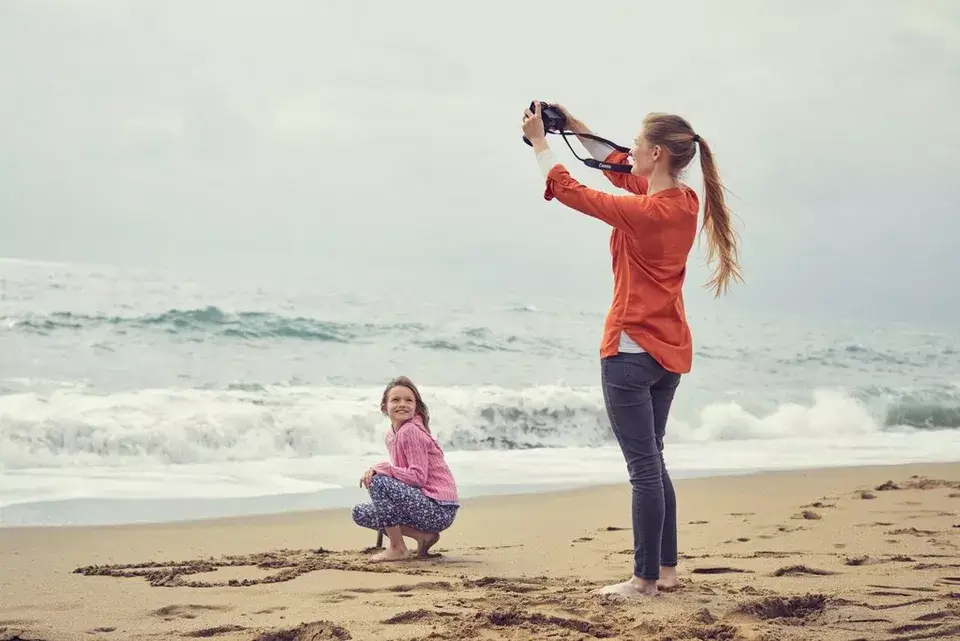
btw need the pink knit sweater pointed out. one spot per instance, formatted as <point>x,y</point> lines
<point>417,460</point>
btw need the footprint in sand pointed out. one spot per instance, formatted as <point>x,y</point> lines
<point>279,608</point>
<point>938,615</point>
<point>308,631</point>
<point>773,554</point>
<point>795,609</point>
<point>501,584</point>
<point>215,631</point>
<point>420,616</point>
<point>190,611</point>
<point>718,570</point>
<point>923,483</point>
<point>912,627</point>
<point>407,587</point>
<point>911,531</point>
<point>519,618</point>
<point>340,597</point>
<point>902,587</point>
<point>801,570</point>
<point>897,606</point>
<point>16,622</point>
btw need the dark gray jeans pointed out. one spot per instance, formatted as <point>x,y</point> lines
<point>638,392</point>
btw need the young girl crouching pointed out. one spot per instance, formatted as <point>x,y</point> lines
<point>414,494</point>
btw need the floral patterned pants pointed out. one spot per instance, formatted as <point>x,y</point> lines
<point>396,503</point>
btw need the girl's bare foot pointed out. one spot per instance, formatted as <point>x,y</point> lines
<point>668,579</point>
<point>425,540</point>
<point>428,541</point>
<point>392,554</point>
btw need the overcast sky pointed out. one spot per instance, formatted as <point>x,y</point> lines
<point>331,139</point>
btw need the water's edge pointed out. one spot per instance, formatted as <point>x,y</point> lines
<point>134,511</point>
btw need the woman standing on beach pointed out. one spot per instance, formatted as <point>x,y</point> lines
<point>647,344</point>
<point>414,494</point>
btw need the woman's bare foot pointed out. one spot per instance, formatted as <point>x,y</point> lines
<point>392,554</point>
<point>631,589</point>
<point>668,579</point>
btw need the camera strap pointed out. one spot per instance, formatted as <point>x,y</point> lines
<point>593,162</point>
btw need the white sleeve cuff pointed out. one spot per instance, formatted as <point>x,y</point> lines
<point>596,149</point>
<point>547,159</point>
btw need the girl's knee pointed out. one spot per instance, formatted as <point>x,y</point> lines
<point>381,484</point>
<point>358,515</point>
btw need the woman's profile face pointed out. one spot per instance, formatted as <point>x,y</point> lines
<point>644,155</point>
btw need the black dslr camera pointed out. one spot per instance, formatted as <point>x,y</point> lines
<point>553,119</point>
<point>554,122</point>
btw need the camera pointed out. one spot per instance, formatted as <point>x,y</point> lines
<point>554,122</point>
<point>553,119</point>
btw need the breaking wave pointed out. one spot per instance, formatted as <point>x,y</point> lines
<point>73,426</point>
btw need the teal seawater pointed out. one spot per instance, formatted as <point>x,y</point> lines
<point>106,372</point>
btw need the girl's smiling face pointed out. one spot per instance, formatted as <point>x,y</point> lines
<point>401,404</point>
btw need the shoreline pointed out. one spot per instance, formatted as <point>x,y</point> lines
<point>99,512</point>
<point>826,553</point>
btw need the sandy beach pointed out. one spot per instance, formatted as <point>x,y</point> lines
<point>852,553</point>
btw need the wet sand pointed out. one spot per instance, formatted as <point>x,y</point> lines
<point>852,553</point>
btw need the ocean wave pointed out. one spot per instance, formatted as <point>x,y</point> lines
<point>212,322</point>
<point>855,356</point>
<point>207,320</point>
<point>924,415</point>
<point>73,426</point>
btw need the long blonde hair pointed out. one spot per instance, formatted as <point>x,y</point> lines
<point>679,139</point>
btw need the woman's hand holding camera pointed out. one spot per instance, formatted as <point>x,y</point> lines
<point>533,125</point>
<point>573,124</point>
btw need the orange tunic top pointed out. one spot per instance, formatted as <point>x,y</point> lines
<point>651,239</point>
